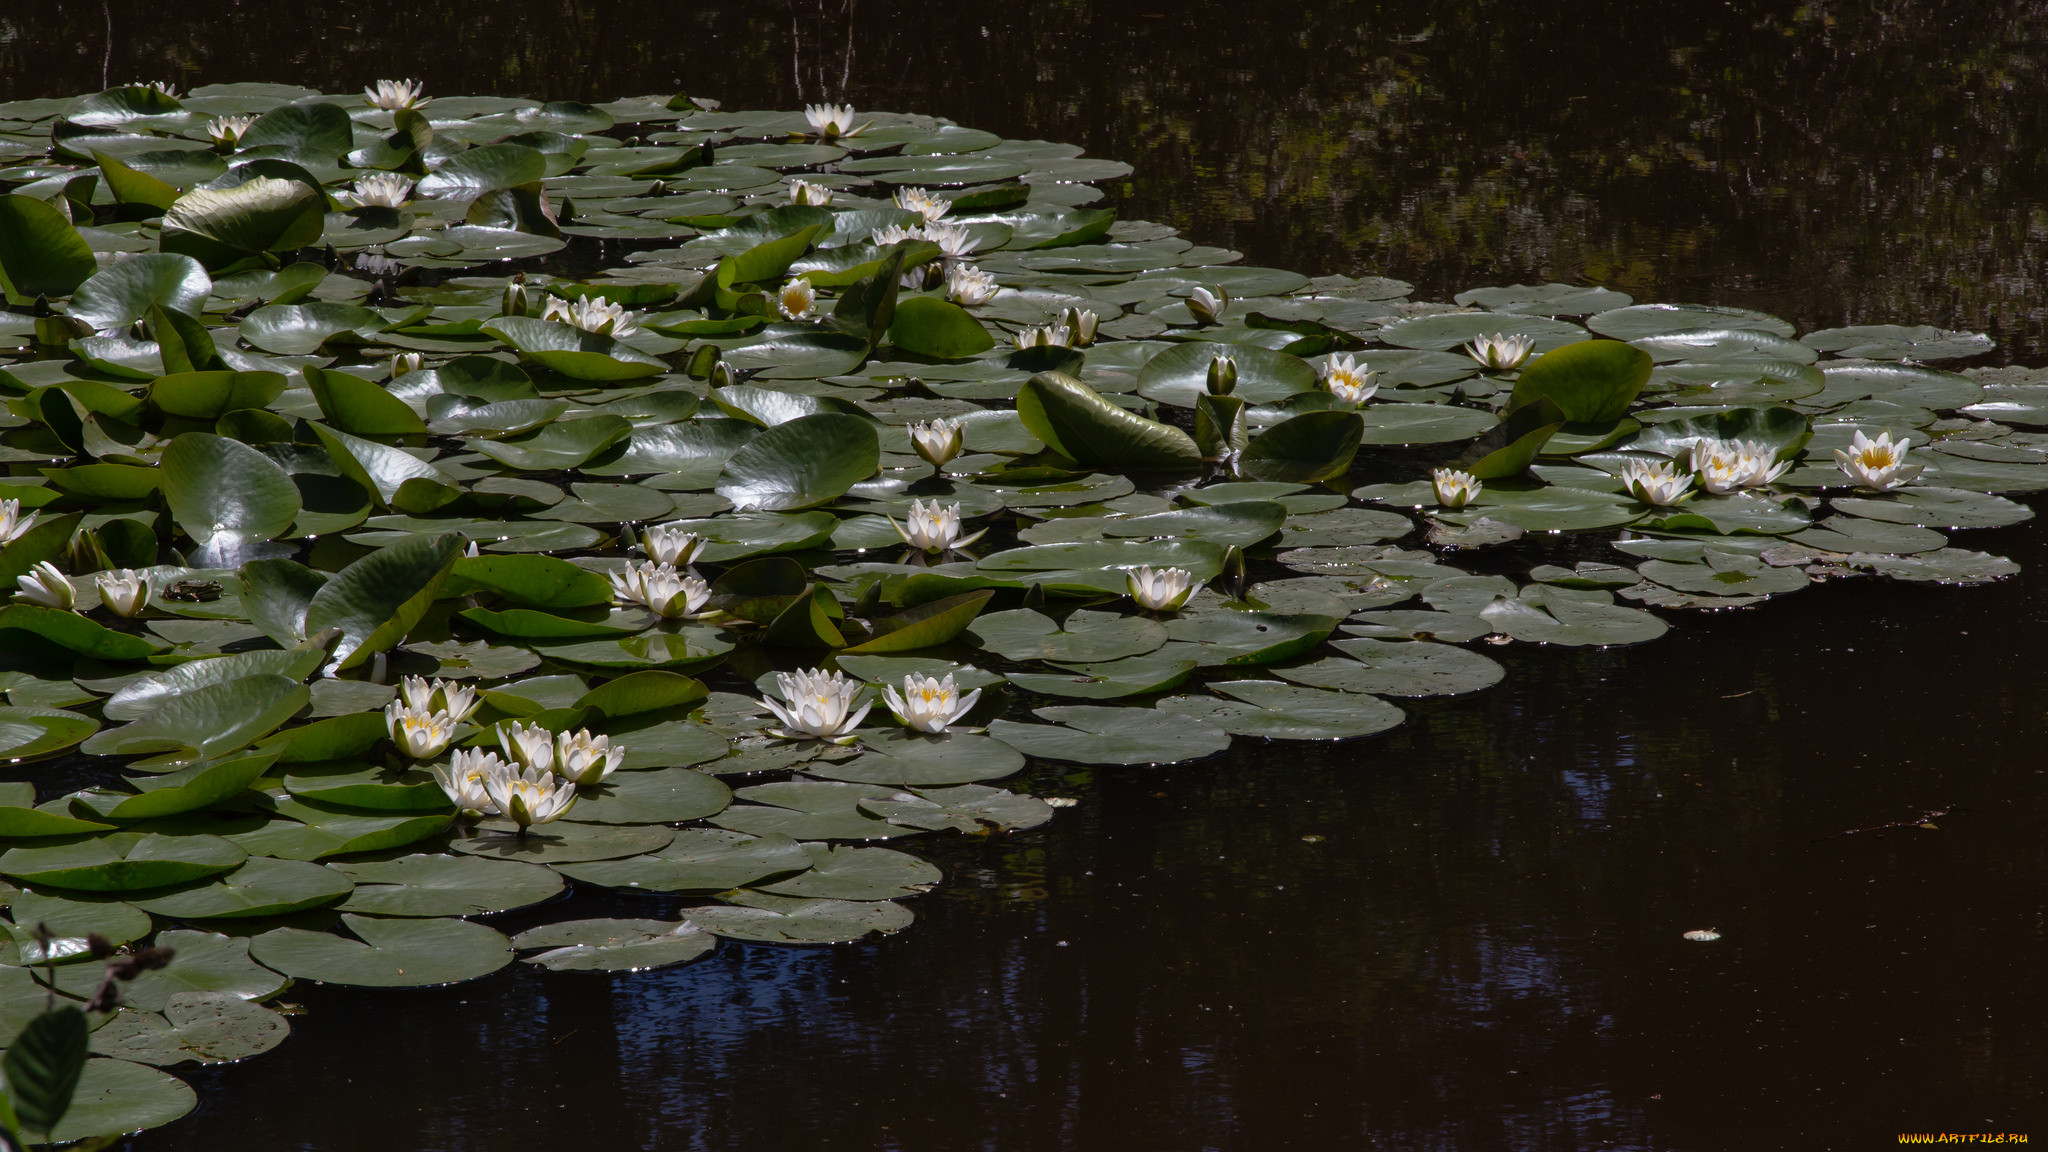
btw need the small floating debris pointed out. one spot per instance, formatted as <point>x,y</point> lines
<point>1702,935</point>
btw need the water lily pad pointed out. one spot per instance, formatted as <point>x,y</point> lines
<point>437,885</point>
<point>1930,507</point>
<point>844,873</point>
<point>614,945</point>
<point>801,464</point>
<point>117,1096</point>
<point>663,796</point>
<point>969,808</point>
<point>122,861</point>
<point>565,843</point>
<point>1084,637</point>
<point>1545,615</point>
<point>260,887</point>
<point>1638,321</point>
<point>1453,329</point>
<point>770,919</point>
<point>200,1027</point>
<point>1091,734</point>
<point>1287,711</point>
<point>806,810</point>
<point>406,953</point>
<point>1113,679</point>
<point>1899,342</point>
<point>1398,668</point>
<point>698,860</point>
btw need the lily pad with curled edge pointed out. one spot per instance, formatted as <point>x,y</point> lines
<point>1398,668</point>
<point>1084,637</point>
<point>1858,534</point>
<point>800,464</point>
<point>843,873</point>
<point>1091,734</point>
<point>1724,344</point>
<point>201,1027</point>
<point>698,860</point>
<point>1287,711</point>
<point>1422,423</point>
<point>140,697</point>
<point>312,832</point>
<point>563,843</point>
<point>388,954</point>
<point>200,962</point>
<point>573,352</point>
<point>810,810</point>
<point>117,1096</point>
<point>970,808</point>
<point>904,758</point>
<point>1947,566</point>
<point>1724,574</point>
<point>1659,596</point>
<point>658,796</point>
<point>1899,342</point>
<point>123,861</point>
<point>770,919</point>
<point>1547,615</point>
<point>1931,507</point>
<point>1407,624</point>
<point>556,447</point>
<point>31,731</point>
<point>441,885</point>
<point>614,945</point>
<point>1113,679</point>
<point>1450,330</point>
<point>260,887</point>
<point>1632,323</point>
<point>1075,421</point>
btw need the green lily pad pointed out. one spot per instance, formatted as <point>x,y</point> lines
<point>843,873</point>
<point>614,945</point>
<point>1398,668</point>
<point>770,919</point>
<point>435,885</point>
<point>200,1027</point>
<point>698,860</point>
<point>389,954</point>
<point>1091,734</point>
<point>122,862</point>
<point>1287,711</point>
<point>260,887</point>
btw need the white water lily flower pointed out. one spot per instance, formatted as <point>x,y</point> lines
<point>670,545</point>
<point>581,758</point>
<point>1082,322</point>
<point>457,699</point>
<point>662,588</point>
<point>1500,352</point>
<point>380,190</point>
<point>1660,484</point>
<point>923,203</point>
<point>1348,380</point>
<point>953,239</point>
<point>529,748</point>
<point>124,592</point>
<point>832,120</point>
<point>1206,305</point>
<point>404,362</point>
<point>894,234</point>
<point>1454,489</point>
<point>938,441</point>
<point>969,286</point>
<point>12,522</point>
<point>392,95</point>
<point>528,798</point>
<point>1160,589</point>
<point>47,586</point>
<point>797,300</point>
<point>806,194</point>
<point>928,703</point>
<point>934,528</point>
<point>1222,376</point>
<point>419,733</point>
<point>1720,466</point>
<point>816,706</point>
<point>463,777</point>
<point>158,86</point>
<point>1878,464</point>
<point>1763,465</point>
<point>227,131</point>
<point>1050,336</point>
<point>592,314</point>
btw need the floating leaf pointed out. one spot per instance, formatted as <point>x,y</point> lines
<point>1090,734</point>
<point>614,945</point>
<point>403,953</point>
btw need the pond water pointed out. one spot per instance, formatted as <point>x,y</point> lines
<point>1483,949</point>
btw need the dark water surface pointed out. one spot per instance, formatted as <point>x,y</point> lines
<point>1483,951</point>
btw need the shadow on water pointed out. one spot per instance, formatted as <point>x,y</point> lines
<point>1483,950</point>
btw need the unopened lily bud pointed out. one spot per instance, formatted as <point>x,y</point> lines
<point>1222,376</point>
<point>514,302</point>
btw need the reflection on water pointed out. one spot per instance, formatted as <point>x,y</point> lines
<point>1483,949</point>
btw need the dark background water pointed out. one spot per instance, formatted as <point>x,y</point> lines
<point>1484,950</point>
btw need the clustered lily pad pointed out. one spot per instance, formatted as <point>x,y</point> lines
<point>411,583</point>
